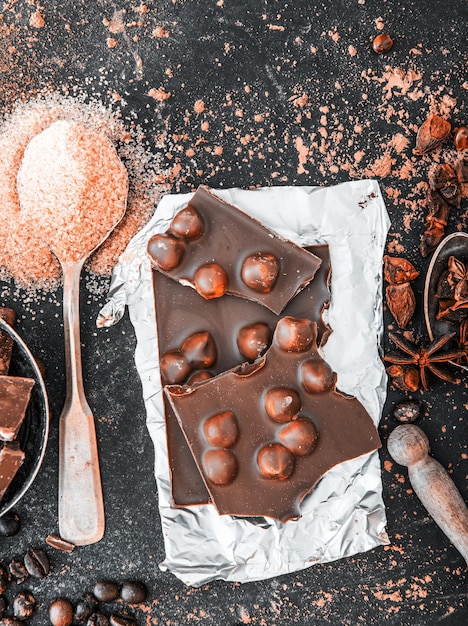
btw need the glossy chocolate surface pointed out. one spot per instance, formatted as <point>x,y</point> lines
<point>11,459</point>
<point>181,314</point>
<point>6,341</point>
<point>276,467</point>
<point>258,264</point>
<point>15,393</point>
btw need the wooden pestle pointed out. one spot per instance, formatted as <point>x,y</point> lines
<point>409,446</point>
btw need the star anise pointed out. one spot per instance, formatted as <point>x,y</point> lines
<point>452,290</point>
<point>427,359</point>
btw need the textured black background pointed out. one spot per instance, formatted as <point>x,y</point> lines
<point>215,49</point>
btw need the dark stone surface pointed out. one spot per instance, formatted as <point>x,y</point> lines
<point>251,64</point>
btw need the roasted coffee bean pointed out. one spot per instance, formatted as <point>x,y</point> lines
<point>3,579</point>
<point>106,590</point>
<point>37,563</point>
<point>18,571</point>
<point>9,524</point>
<point>85,607</point>
<point>61,612</point>
<point>98,619</point>
<point>3,606</point>
<point>24,605</point>
<point>11,621</point>
<point>117,619</point>
<point>133,592</point>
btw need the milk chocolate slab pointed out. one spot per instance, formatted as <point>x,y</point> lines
<point>11,459</point>
<point>6,341</point>
<point>217,249</point>
<point>15,393</point>
<point>276,455</point>
<point>181,313</point>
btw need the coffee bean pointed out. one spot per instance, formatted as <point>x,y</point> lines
<point>106,590</point>
<point>133,592</point>
<point>11,621</point>
<point>116,619</point>
<point>85,607</point>
<point>3,579</point>
<point>3,606</point>
<point>61,612</point>
<point>37,563</point>
<point>24,605</point>
<point>98,619</point>
<point>18,571</point>
<point>9,524</point>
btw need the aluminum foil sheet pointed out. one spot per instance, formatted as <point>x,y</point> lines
<point>345,513</point>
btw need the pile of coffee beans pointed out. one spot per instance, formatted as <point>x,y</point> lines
<point>89,609</point>
<point>109,604</point>
<point>35,564</point>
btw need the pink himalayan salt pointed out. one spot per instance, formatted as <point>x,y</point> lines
<point>72,187</point>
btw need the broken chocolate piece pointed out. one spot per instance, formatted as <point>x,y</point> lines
<point>11,459</point>
<point>230,252</point>
<point>15,392</point>
<point>6,340</point>
<point>275,467</point>
<point>241,329</point>
<point>55,541</point>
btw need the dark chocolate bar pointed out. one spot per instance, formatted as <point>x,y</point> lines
<point>217,249</point>
<point>181,314</point>
<point>264,433</point>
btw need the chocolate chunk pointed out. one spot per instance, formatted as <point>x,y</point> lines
<point>275,468</point>
<point>235,254</point>
<point>15,393</point>
<point>55,541</point>
<point>240,329</point>
<point>11,459</point>
<point>6,340</point>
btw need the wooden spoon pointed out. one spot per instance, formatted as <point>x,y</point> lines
<point>77,178</point>
<point>408,445</point>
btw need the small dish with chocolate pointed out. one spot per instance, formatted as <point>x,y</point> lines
<point>24,416</point>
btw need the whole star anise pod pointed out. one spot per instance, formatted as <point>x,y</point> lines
<point>426,359</point>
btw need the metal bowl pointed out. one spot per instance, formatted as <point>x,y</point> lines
<point>456,245</point>
<point>34,430</point>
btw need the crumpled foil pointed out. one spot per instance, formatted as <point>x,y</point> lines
<point>345,513</point>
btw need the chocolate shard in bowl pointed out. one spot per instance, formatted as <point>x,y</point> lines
<point>270,466</point>
<point>6,341</point>
<point>15,393</point>
<point>215,248</point>
<point>11,459</point>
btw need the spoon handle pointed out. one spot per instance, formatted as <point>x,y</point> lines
<point>81,507</point>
